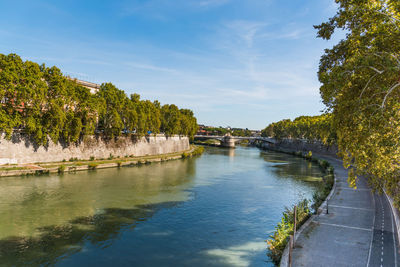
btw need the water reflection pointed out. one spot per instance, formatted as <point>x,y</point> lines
<point>292,167</point>
<point>44,215</point>
<point>55,241</point>
<point>231,152</point>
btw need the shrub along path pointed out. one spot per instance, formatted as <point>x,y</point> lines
<point>359,229</point>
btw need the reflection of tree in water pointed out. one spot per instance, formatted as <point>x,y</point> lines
<point>33,202</point>
<point>140,192</point>
<point>56,241</point>
<point>288,166</point>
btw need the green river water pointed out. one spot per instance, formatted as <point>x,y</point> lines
<point>213,210</point>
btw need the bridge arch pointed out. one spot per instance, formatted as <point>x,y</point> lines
<point>230,141</point>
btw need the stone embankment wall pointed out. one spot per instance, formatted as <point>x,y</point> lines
<point>301,145</point>
<point>20,149</point>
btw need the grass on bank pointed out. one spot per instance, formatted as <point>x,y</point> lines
<point>14,168</point>
<point>304,209</point>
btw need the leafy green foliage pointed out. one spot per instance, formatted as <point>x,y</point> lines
<point>361,86</point>
<point>61,169</point>
<point>312,128</point>
<point>329,179</point>
<point>280,237</point>
<point>48,106</point>
<point>198,151</point>
<point>241,132</point>
<point>217,130</point>
<point>93,165</point>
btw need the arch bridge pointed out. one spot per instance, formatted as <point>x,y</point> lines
<point>230,141</point>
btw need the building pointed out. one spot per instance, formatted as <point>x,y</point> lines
<point>93,87</point>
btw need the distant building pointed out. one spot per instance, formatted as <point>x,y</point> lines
<point>202,131</point>
<point>93,87</point>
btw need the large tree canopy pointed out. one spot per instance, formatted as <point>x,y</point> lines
<point>43,103</point>
<point>360,79</point>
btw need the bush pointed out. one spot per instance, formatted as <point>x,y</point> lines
<point>198,151</point>
<point>91,158</point>
<point>320,196</point>
<point>61,169</point>
<point>111,156</point>
<point>278,240</point>
<point>93,166</point>
<point>119,163</point>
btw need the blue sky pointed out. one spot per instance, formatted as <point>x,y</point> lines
<point>242,63</point>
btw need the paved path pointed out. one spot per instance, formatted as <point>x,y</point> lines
<point>359,229</point>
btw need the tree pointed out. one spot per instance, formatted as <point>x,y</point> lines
<point>312,128</point>
<point>360,79</point>
<point>170,122</point>
<point>112,118</point>
<point>46,105</point>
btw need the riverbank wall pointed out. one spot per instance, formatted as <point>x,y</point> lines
<point>294,145</point>
<point>20,150</point>
<point>85,165</point>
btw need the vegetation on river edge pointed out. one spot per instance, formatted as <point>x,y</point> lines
<point>361,91</point>
<point>45,104</point>
<point>223,131</point>
<point>280,237</point>
<point>312,128</point>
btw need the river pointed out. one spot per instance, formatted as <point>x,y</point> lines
<point>213,210</point>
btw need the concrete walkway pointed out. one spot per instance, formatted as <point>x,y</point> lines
<point>359,229</point>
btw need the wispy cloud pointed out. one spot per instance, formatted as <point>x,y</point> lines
<point>150,67</point>
<point>238,32</point>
